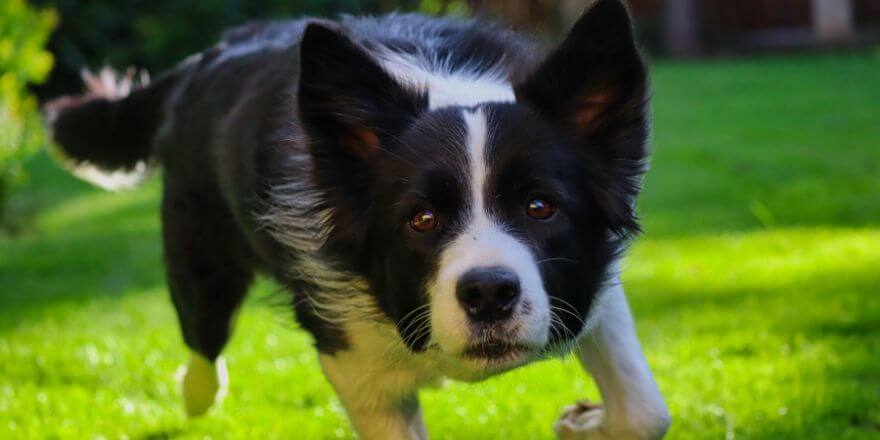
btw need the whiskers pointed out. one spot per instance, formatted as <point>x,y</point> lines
<point>420,323</point>
<point>562,338</point>
<point>412,327</point>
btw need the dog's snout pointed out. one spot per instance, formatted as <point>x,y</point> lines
<point>488,294</point>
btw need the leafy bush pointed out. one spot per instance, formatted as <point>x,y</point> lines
<point>23,60</point>
<point>156,34</point>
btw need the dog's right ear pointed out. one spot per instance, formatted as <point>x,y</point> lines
<point>349,105</point>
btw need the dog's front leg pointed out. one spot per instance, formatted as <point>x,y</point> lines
<point>380,407</point>
<point>632,407</point>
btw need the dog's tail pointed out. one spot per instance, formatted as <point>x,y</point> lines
<point>106,134</point>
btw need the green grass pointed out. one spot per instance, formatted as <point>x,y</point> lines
<point>755,287</point>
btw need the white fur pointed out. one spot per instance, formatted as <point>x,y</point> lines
<point>485,243</point>
<point>111,85</point>
<point>204,383</point>
<point>377,379</point>
<point>633,407</point>
<point>342,296</point>
<point>447,87</point>
<point>116,180</point>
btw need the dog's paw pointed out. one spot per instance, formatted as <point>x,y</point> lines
<point>588,421</point>
<point>204,384</point>
<point>581,421</point>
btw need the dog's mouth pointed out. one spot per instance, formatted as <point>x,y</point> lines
<point>496,351</point>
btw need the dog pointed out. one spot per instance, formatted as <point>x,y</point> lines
<point>441,198</point>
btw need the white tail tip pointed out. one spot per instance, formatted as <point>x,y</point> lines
<point>118,180</point>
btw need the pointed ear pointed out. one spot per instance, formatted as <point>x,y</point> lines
<point>348,104</point>
<point>350,110</point>
<point>594,77</point>
<point>594,86</point>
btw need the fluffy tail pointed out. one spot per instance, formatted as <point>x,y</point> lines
<point>106,134</point>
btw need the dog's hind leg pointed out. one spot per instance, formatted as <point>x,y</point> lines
<point>208,269</point>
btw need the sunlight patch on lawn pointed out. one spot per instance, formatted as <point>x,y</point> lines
<point>762,259</point>
<point>759,334</point>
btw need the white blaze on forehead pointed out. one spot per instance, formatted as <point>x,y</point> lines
<point>477,136</point>
<point>445,87</point>
<point>484,243</point>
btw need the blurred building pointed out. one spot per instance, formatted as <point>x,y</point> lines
<point>694,27</point>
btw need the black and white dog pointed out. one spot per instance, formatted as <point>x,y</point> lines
<point>441,199</point>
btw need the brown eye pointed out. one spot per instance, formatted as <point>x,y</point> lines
<point>540,209</point>
<point>424,221</point>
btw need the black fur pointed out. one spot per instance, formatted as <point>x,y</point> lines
<point>301,111</point>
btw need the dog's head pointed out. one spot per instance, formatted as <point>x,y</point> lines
<point>484,230</point>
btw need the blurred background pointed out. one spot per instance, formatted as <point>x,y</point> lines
<point>755,286</point>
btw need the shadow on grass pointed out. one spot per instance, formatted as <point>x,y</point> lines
<point>671,299</point>
<point>46,184</point>
<point>161,435</point>
<point>867,328</point>
<point>77,270</point>
<point>80,257</point>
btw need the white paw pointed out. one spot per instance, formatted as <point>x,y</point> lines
<point>204,383</point>
<point>588,421</point>
<point>581,421</point>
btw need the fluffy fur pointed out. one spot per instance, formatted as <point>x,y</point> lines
<point>302,150</point>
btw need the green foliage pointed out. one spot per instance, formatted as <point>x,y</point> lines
<point>759,323</point>
<point>157,34</point>
<point>23,61</point>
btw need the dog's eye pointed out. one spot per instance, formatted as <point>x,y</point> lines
<point>424,221</point>
<point>540,209</point>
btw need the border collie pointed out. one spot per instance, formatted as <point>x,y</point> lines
<point>440,198</point>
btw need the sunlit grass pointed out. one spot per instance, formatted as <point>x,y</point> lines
<point>755,287</point>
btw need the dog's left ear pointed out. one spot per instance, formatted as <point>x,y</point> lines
<point>595,86</point>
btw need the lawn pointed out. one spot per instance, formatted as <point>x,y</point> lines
<point>756,287</point>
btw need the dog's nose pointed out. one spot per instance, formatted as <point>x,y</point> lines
<point>488,294</point>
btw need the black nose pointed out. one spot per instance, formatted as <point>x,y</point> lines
<point>488,294</point>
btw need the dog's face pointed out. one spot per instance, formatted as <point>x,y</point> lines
<point>485,230</point>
